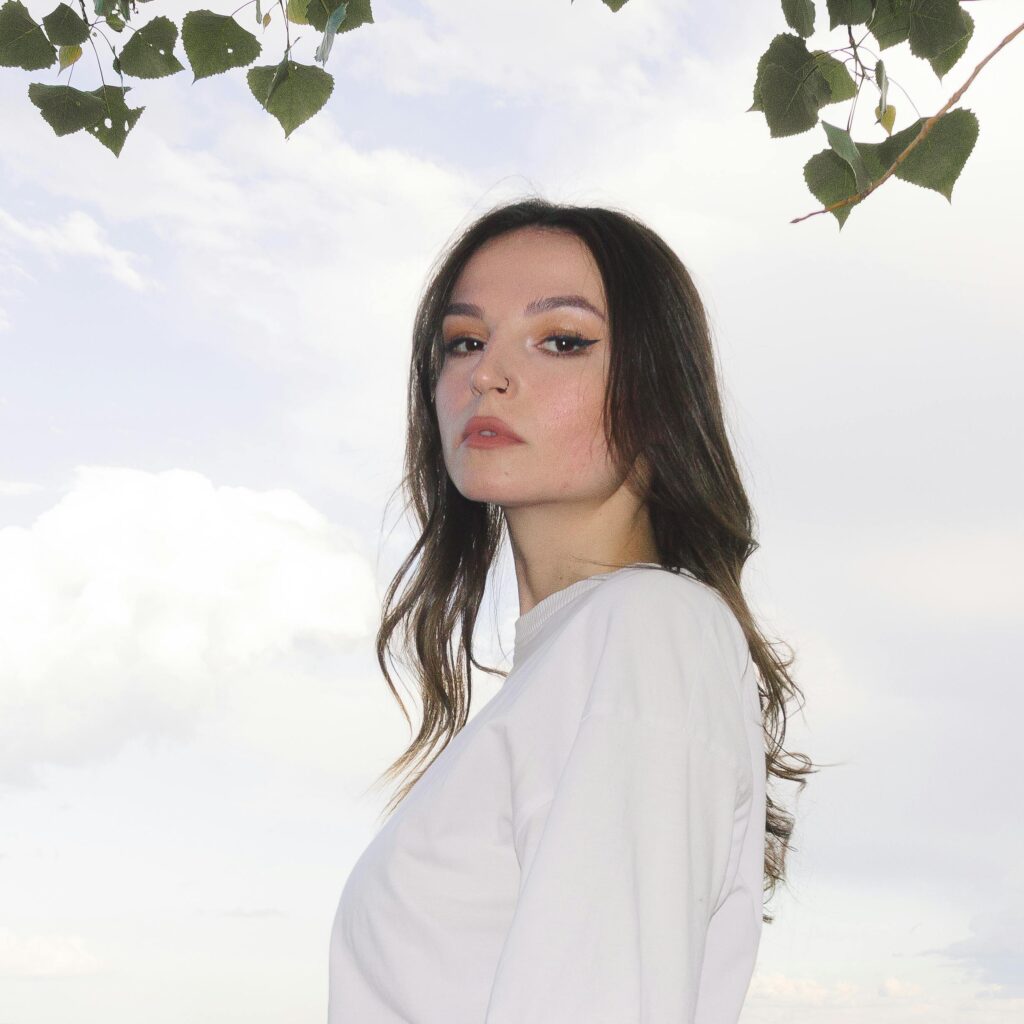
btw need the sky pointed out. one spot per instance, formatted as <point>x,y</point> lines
<point>203,361</point>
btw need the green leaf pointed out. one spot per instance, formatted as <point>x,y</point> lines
<point>848,12</point>
<point>942,62</point>
<point>295,11</point>
<point>150,51</point>
<point>891,23</point>
<point>785,49</point>
<point>23,44</point>
<point>292,92</point>
<point>935,162</point>
<point>840,81</point>
<point>65,26</point>
<point>113,129</point>
<point>615,5</point>
<point>65,109</point>
<point>790,88</point>
<point>878,156</point>
<point>844,146</point>
<point>357,13</point>
<point>789,106</point>
<point>799,16</point>
<point>935,26</point>
<point>830,178</point>
<point>215,43</point>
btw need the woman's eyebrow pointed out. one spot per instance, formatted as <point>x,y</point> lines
<point>537,306</point>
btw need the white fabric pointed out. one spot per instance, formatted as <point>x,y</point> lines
<point>590,846</point>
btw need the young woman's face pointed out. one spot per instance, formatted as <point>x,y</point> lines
<point>501,360</point>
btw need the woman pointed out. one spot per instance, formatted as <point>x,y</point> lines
<point>594,845</point>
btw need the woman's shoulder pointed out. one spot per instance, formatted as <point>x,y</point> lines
<point>668,647</point>
<point>662,591</point>
<point>644,601</point>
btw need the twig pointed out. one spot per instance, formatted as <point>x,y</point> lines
<point>925,129</point>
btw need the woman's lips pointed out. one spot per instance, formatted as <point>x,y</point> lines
<point>478,440</point>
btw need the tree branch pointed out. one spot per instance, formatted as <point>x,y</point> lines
<point>925,129</point>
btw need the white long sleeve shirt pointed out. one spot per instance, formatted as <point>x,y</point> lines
<point>589,848</point>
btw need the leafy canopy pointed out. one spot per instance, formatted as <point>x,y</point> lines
<point>792,84</point>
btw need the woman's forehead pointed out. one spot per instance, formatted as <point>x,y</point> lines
<point>531,278</point>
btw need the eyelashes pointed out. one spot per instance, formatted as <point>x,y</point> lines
<point>578,340</point>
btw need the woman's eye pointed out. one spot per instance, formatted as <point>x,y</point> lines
<point>577,341</point>
<point>449,346</point>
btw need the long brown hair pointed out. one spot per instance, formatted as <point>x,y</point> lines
<point>662,408</point>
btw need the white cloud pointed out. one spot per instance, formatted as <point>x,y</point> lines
<point>76,234</point>
<point>796,991</point>
<point>973,574</point>
<point>45,956</point>
<point>580,53</point>
<point>18,488</point>
<point>310,251</point>
<point>993,948</point>
<point>898,988</point>
<point>129,604</point>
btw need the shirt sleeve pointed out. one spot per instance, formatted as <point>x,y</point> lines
<point>622,867</point>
